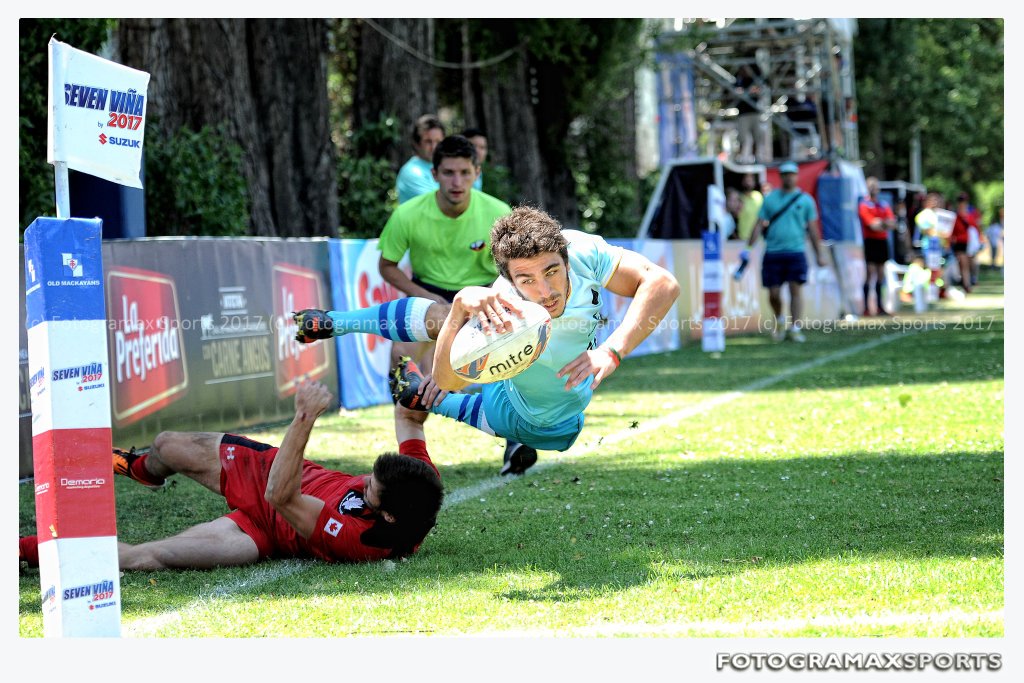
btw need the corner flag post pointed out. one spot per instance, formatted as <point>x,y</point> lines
<point>96,116</point>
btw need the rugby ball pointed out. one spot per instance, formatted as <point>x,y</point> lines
<point>483,357</point>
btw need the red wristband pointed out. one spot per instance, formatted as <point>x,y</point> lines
<point>615,355</point>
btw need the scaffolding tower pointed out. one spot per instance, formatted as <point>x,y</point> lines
<point>804,67</point>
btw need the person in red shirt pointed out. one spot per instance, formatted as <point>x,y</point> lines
<point>282,504</point>
<point>966,218</point>
<point>876,221</point>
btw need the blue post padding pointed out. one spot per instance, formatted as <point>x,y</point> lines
<point>63,270</point>
<point>712,245</point>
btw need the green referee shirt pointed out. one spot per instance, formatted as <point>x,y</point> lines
<point>450,253</point>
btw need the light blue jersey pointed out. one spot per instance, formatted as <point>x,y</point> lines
<point>536,394</point>
<point>788,232</point>
<point>414,179</point>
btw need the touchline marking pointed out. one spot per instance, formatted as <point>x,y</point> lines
<point>476,490</point>
<point>264,574</point>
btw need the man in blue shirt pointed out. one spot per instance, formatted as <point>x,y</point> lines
<point>563,270</point>
<point>479,140</point>
<point>415,176</point>
<point>788,217</point>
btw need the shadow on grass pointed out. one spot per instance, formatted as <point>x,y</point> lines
<point>596,528</point>
<point>691,522</point>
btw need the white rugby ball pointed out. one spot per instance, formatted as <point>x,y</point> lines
<point>483,357</point>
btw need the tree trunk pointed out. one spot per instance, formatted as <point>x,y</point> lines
<point>552,109</point>
<point>391,80</point>
<point>266,80</point>
<point>512,129</point>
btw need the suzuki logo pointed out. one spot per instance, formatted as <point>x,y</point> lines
<point>103,139</point>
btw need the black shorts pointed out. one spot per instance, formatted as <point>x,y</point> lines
<point>780,267</point>
<point>876,251</point>
<point>958,247</point>
<point>447,294</point>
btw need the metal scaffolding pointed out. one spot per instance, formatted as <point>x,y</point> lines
<point>804,67</point>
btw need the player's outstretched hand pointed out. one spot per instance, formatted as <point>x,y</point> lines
<point>431,394</point>
<point>490,306</point>
<point>599,363</point>
<point>312,399</point>
<point>313,324</point>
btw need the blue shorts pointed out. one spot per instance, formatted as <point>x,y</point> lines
<point>780,267</point>
<point>506,422</point>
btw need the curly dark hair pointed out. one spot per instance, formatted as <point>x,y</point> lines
<point>525,233</point>
<point>454,146</point>
<point>412,493</point>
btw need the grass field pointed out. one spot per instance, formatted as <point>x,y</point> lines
<point>852,486</point>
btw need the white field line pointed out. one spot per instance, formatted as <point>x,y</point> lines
<point>260,575</point>
<point>672,419</point>
<point>267,573</point>
<point>751,629</point>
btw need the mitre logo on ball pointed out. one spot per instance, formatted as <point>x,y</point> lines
<point>484,357</point>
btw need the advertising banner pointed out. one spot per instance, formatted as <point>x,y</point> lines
<point>613,308</point>
<point>201,335</point>
<point>363,359</point>
<point>97,115</point>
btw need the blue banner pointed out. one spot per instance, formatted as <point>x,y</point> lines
<point>363,359</point>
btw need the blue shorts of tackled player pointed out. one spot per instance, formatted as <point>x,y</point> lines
<point>566,272</point>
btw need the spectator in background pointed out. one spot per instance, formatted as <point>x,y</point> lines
<point>788,217</point>
<point>876,221</point>
<point>927,226</point>
<point>733,205</point>
<point>751,200</point>
<point>479,140</point>
<point>994,234</point>
<point>748,122</point>
<point>966,218</point>
<point>416,175</point>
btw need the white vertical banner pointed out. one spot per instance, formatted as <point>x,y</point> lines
<point>97,115</point>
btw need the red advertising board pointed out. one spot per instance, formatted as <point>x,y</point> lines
<point>295,288</point>
<point>148,370</point>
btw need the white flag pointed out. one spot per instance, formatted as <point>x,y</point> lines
<point>97,115</point>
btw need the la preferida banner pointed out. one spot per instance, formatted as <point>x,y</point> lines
<point>97,115</point>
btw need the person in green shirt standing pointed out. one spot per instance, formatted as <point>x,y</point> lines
<point>447,235</point>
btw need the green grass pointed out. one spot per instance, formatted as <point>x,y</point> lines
<point>862,496</point>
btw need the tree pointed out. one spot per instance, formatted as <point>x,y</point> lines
<point>555,96</point>
<point>942,78</point>
<point>263,82</point>
<point>395,76</point>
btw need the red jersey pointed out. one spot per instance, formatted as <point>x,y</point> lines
<point>868,211</point>
<point>963,221</point>
<point>340,533</point>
